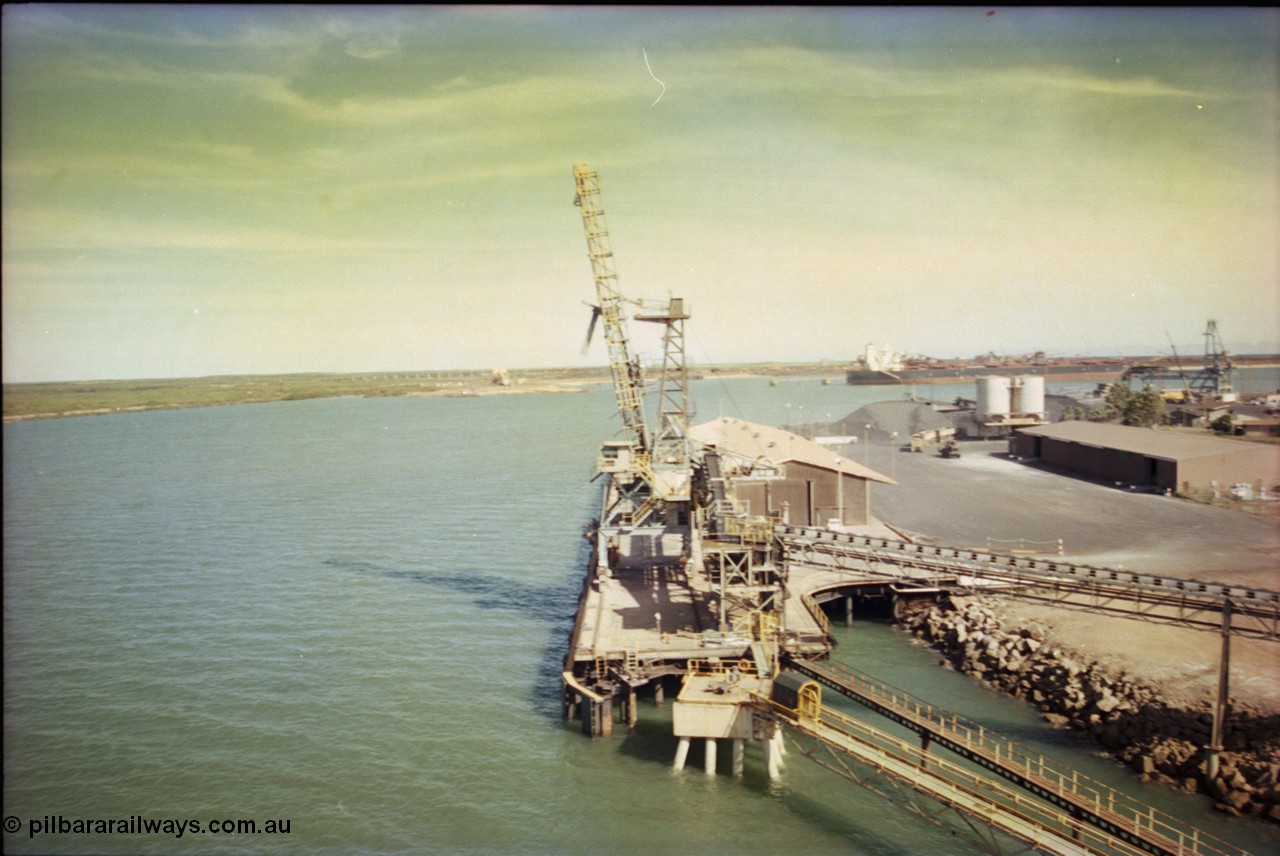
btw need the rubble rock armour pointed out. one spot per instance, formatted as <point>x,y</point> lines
<point>1127,717</point>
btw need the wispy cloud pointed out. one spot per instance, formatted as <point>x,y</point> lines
<point>60,229</point>
<point>1073,80</point>
<point>785,68</point>
<point>225,151</point>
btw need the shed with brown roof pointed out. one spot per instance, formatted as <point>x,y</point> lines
<point>775,472</point>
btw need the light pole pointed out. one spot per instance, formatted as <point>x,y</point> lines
<point>839,491</point>
<point>866,444</point>
<point>893,461</point>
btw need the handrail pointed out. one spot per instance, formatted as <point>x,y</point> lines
<point>1108,804</point>
<point>818,613</point>
<point>704,666</point>
<point>1255,613</point>
<point>753,530</point>
<point>964,789</point>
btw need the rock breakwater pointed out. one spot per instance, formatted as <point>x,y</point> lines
<point>1125,716</point>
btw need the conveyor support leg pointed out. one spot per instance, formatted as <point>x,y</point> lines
<point>682,752</point>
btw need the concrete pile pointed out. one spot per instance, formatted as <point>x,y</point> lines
<point>1129,719</point>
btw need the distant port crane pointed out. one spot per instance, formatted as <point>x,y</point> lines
<point>1218,368</point>
<point>1212,380</point>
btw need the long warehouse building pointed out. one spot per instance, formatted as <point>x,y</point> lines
<point>1150,457</point>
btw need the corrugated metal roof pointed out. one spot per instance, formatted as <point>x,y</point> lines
<point>1154,443</point>
<point>754,442</point>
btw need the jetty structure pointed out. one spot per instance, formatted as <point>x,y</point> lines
<point>885,366</point>
<point>720,548</point>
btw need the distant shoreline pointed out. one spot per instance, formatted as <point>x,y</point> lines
<point>72,399</point>
<point>68,399</point>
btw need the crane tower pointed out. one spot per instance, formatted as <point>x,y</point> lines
<point>661,458</point>
<point>1216,374</point>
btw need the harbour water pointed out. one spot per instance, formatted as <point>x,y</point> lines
<point>350,615</point>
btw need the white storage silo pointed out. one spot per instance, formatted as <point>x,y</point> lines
<point>993,398</point>
<point>1029,396</point>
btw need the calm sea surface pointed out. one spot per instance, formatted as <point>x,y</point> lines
<point>350,615</point>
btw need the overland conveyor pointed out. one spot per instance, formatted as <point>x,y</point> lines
<point>973,794</point>
<point>1229,609</point>
<point>1082,799</point>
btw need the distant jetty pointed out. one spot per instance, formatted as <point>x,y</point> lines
<point>1091,370</point>
<point>870,372</point>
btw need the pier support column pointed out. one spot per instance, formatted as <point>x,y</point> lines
<point>710,759</point>
<point>682,752</point>
<point>606,718</point>
<point>597,717</point>
<point>738,752</point>
<point>1221,708</point>
<point>658,695</point>
<point>770,757</point>
<point>632,715</point>
<point>848,611</point>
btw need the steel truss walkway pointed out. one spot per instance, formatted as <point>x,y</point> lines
<point>1231,610</point>
<point>1072,800</point>
<point>972,795</point>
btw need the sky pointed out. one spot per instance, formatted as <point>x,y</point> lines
<point>204,190</point>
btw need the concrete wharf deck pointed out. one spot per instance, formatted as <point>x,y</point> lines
<point>647,611</point>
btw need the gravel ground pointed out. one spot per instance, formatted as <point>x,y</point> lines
<point>984,495</point>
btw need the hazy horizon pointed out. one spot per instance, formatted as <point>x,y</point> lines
<point>192,191</point>
<point>1187,358</point>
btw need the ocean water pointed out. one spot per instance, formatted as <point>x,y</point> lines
<point>349,615</point>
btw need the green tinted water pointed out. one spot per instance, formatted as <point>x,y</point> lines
<point>350,615</point>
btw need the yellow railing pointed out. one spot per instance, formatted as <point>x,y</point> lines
<point>644,465</point>
<point>1128,812</point>
<point>700,666</point>
<point>964,789</point>
<point>819,615</point>
<point>639,514</point>
<point>754,530</point>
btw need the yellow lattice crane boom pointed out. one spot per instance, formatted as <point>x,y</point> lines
<point>628,385</point>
